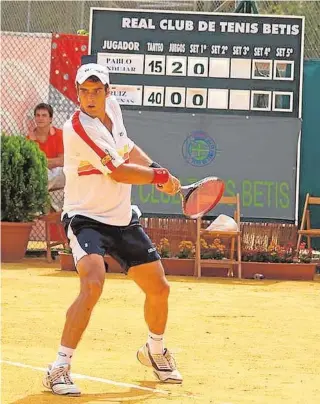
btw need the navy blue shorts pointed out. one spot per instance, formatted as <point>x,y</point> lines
<point>129,245</point>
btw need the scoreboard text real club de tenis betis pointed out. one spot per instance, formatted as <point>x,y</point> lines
<point>210,63</point>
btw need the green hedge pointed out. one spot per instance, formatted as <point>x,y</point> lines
<point>24,179</point>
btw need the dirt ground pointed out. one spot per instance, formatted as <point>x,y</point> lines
<point>236,342</point>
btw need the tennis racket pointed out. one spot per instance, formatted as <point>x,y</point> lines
<point>202,196</point>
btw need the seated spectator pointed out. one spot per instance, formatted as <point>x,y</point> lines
<point>50,141</point>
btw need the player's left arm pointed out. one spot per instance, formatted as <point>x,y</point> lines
<point>136,154</point>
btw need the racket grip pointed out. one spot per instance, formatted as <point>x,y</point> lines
<point>161,176</point>
<point>154,164</point>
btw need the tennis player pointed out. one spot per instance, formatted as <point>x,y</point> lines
<point>100,164</point>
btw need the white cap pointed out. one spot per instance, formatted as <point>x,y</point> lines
<point>92,69</point>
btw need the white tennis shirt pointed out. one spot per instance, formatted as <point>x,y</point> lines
<point>89,189</point>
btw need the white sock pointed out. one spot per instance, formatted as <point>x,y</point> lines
<point>64,356</point>
<point>155,342</point>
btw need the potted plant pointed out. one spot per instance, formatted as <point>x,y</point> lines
<point>182,263</point>
<point>279,262</point>
<point>186,250</point>
<point>305,254</point>
<point>164,248</point>
<point>24,193</point>
<point>214,251</point>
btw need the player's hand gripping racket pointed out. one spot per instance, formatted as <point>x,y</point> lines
<point>202,196</point>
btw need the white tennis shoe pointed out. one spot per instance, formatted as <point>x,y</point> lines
<point>59,381</point>
<point>164,365</point>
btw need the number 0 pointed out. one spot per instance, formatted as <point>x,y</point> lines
<point>176,98</point>
<point>197,100</point>
<point>198,68</point>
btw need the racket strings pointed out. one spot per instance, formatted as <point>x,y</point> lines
<point>203,198</point>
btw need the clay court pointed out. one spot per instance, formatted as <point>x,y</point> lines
<point>236,342</point>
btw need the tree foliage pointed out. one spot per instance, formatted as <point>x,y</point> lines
<point>309,9</point>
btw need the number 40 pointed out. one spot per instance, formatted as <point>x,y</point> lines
<point>155,98</point>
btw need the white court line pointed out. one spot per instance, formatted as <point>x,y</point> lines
<point>99,379</point>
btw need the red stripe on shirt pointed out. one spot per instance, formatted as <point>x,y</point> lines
<point>79,129</point>
<point>89,172</point>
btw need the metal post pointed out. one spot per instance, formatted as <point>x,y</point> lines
<point>248,7</point>
<point>198,249</point>
<point>28,15</point>
<point>207,6</point>
<point>82,14</point>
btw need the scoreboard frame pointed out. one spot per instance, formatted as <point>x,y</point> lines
<point>205,82</point>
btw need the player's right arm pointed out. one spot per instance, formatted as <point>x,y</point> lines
<point>141,175</point>
<point>133,174</point>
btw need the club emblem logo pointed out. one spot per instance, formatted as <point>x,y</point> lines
<point>199,149</point>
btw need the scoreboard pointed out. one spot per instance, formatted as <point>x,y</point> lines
<point>226,64</point>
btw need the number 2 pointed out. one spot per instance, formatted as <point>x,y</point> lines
<point>178,69</point>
